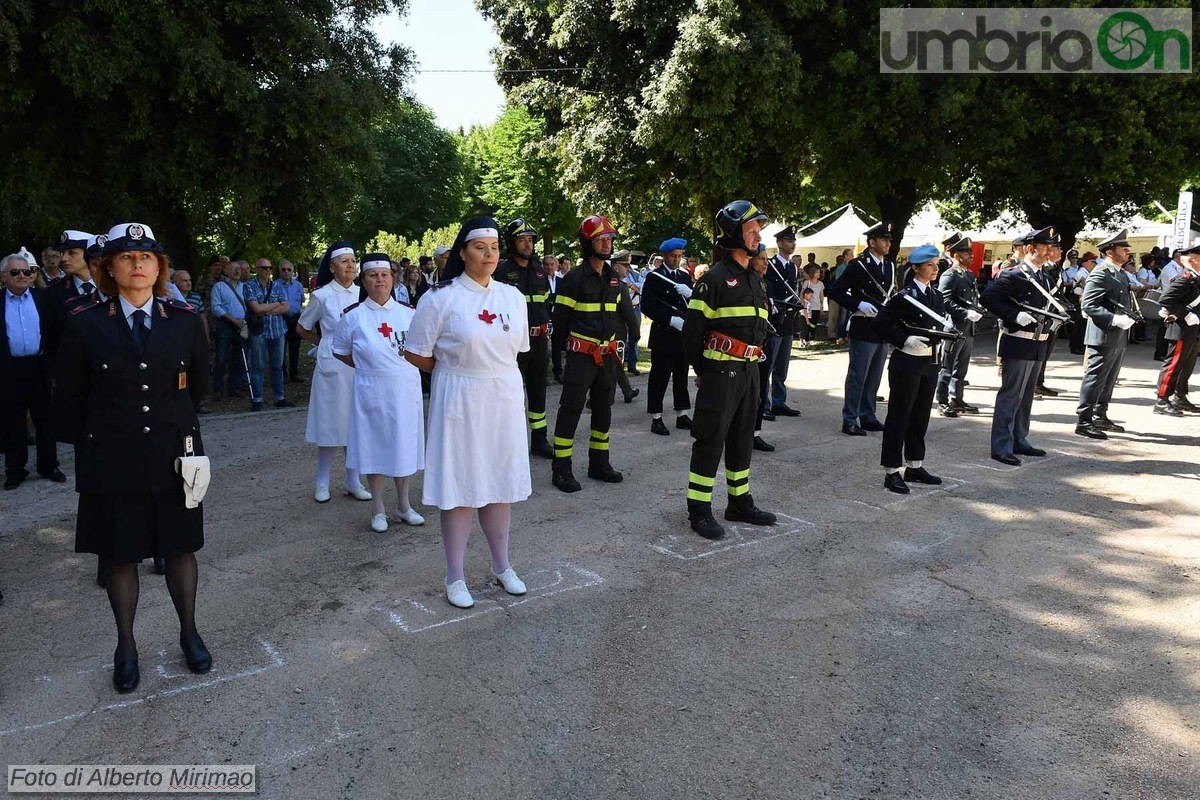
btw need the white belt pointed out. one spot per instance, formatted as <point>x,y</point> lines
<point>921,351</point>
<point>1037,337</point>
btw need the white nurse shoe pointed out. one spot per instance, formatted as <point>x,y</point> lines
<point>509,580</point>
<point>379,523</point>
<point>458,595</point>
<point>410,517</point>
<point>321,495</point>
<point>358,492</point>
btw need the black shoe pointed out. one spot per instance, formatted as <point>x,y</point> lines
<point>1045,391</point>
<point>12,481</point>
<point>947,410</point>
<point>126,675</point>
<point>1168,408</point>
<point>759,444</point>
<point>54,475</point>
<point>769,415</point>
<point>256,405</point>
<point>659,427</point>
<point>284,403</point>
<point>632,394</point>
<point>964,408</point>
<point>539,446</point>
<point>1006,458</point>
<point>160,565</point>
<point>707,526</point>
<point>196,654</point>
<point>894,483</point>
<point>880,398</point>
<point>1106,424</point>
<point>852,429</point>
<point>634,371</point>
<point>751,514</point>
<point>1183,404</point>
<point>604,472</point>
<point>565,482</point>
<point>872,425</point>
<point>683,422</point>
<point>921,475</point>
<point>1089,430</point>
<point>785,411</point>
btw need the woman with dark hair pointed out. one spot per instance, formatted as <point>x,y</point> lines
<point>329,400</point>
<point>129,373</point>
<point>467,332</point>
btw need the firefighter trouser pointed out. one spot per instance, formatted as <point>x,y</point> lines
<point>583,377</point>
<point>533,370</point>
<point>726,407</point>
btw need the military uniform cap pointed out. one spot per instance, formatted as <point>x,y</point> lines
<point>787,233</point>
<point>1118,240</point>
<point>884,230</point>
<point>958,244</point>
<point>1194,250</point>
<point>129,236</point>
<point>676,243</point>
<point>1047,235</point>
<point>71,239</point>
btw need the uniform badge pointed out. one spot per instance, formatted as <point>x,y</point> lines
<point>613,282</point>
<point>64,237</point>
<point>731,282</point>
<point>540,274</point>
<point>487,317</point>
<point>135,232</point>
<point>101,240</point>
<point>182,379</point>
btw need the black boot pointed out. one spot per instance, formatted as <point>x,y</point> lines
<point>539,445</point>
<point>600,469</point>
<point>659,427</point>
<point>703,521</point>
<point>742,509</point>
<point>683,422</point>
<point>562,476</point>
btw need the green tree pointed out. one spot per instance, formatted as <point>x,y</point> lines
<point>193,116</point>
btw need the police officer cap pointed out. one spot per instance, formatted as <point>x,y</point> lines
<point>1021,240</point>
<point>1047,235</point>
<point>787,233</point>
<point>954,239</point>
<point>72,239</point>
<point>922,254</point>
<point>962,244</point>
<point>131,236</point>
<point>672,244</point>
<point>884,230</point>
<point>1119,240</point>
<point>95,245</point>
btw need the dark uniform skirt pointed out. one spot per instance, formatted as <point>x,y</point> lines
<point>130,527</point>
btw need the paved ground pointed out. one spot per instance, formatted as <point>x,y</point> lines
<point>1021,632</point>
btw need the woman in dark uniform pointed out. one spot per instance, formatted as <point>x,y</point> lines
<point>130,372</point>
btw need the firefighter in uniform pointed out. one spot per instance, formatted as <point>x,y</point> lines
<point>523,269</point>
<point>1180,301</point>
<point>960,294</point>
<point>665,294</point>
<point>586,309</point>
<point>723,336</point>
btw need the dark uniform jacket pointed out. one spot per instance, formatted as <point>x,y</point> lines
<point>1106,294</point>
<point>588,304</point>
<point>786,288</point>
<point>128,413</point>
<point>864,280</point>
<point>898,313</point>
<point>959,294</point>
<point>1183,291</point>
<point>730,299</point>
<point>1001,296</point>
<point>530,281</point>
<point>659,301</point>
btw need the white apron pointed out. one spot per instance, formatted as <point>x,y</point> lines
<point>333,382</point>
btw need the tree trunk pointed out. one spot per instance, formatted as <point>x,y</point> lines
<point>1068,221</point>
<point>896,206</point>
<point>547,241</point>
<point>176,236</point>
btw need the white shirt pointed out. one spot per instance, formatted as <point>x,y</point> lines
<point>95,288</point>
<point>325,306</point>
<point>127,308</point>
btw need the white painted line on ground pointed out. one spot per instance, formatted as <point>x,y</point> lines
<point>337,736</point>
<point>488,599</point>
<point>737,536</point>
<point>949,484</point>
<point>276,662</point>
<point>1026,462</point>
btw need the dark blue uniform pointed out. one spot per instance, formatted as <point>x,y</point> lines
<point>667,362</point>
<point>783,286</point>
<point>864,280</point>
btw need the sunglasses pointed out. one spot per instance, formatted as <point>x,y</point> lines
<point>28,273</point>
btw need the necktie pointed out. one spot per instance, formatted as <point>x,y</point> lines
<point>141,334</point>
<point>87,289</point>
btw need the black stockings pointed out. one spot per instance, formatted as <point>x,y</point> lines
<point>123,592</point>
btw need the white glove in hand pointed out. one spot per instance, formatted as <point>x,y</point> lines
<point>1122,321</point>
<point>866,308</point>
<point>1079,291</point>
<point>915,343</point>
<point>684,290</point>
<point>677,322</point>
<point>1191,319</point>
<point>1025,318</point>
<point>974,315</point>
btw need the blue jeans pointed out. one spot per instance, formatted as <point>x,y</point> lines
<point>227,358</point>
<point>262,348</point>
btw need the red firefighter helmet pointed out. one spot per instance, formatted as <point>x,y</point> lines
<point>589,229</point>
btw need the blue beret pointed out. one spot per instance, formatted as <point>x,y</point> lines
<point>672,244</point>
<point>920,255</point>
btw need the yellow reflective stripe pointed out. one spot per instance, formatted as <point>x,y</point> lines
<point>750,212</point>
<point>739,311</point>
<point>601,435</point>
<point>717,355</point>
<point>537,424</point>
<point>563,300</point>
<point>590,339</point>
<point>561,442</point>
<point>701,480</point>
<point>536,414</point>
<point>736,474</point>
<point>738,491</point>
<point>696,304</point>
<point>593,306</point>
<point>703,497</point>
<point>594,445</point>
<point>537,298</point>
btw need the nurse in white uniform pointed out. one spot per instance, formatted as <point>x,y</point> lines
<point>467,331</point>
<point>332,382</point>
<point>387,426</point>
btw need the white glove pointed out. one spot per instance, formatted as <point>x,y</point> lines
<point>1025,318</point>
<point>1079,291</point>
<point>915,343</point>
<point>974,315</point>
<point>1122,321</point>
<point>684,290</point>
<point>866,308</point>
<point>677,322</point>
<point>1191,319</point>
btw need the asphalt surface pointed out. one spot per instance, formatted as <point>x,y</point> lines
<point>1018,632</point>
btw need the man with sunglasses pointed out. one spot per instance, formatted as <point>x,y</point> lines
<point>293,290</point>
<point>25,351</point>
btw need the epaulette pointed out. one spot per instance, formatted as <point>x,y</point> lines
<point>72,299</point>
<point>80,307</point>
<point>171,302</point>
<point>406,305</point>
<point>351,307</point>
<point>441,285</point>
